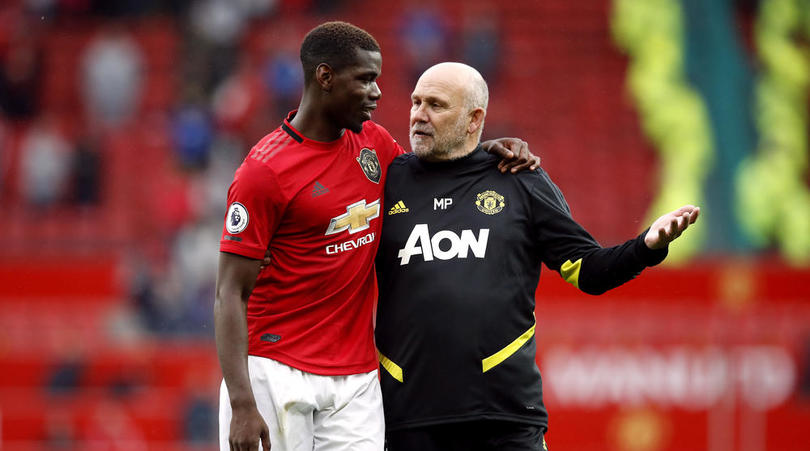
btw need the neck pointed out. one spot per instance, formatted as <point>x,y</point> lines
<point>313,123</point>
<point>460,152</point>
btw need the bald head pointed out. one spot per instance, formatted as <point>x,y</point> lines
<point>475,90</point>
<point>447,114</point>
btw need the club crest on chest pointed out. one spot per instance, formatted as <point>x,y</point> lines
<point>489,202</point>
<point>370,164</point>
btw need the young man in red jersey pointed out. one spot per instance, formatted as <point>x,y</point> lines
<point>294,338</point>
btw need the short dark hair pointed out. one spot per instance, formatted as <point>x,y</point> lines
<point>334,43</point>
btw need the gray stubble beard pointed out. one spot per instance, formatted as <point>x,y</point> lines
<point>443,147</point>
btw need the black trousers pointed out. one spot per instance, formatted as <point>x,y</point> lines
<point>482,435</point>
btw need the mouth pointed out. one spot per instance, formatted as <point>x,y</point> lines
<point>367,109</point>
<point>421,133</point>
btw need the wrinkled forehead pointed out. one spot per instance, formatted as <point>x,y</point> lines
<point>446,86</point>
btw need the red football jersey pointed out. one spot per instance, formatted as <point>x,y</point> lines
<point>317,207</point>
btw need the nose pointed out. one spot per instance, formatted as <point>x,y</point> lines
<point>419,113</point>
<point>375,93</point>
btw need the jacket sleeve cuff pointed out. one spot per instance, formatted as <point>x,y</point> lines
<point>647,256</point>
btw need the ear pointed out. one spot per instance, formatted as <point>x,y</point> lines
<point>476,120</point>
<point>324,75</point>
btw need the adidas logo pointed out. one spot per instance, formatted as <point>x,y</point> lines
<point>319,189</point>
<point>398,207</point>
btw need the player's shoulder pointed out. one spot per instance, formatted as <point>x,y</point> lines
<point>272,147</point>
<point>258,163</point>
<point>254,174</point>
<point>380,135</point>
<point>374,128</point>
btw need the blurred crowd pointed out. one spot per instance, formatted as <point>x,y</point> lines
<point>222,101</point>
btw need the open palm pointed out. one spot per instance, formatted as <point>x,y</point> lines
<point>670,226</point>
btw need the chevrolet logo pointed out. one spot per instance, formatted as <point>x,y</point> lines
<point>356,218</point>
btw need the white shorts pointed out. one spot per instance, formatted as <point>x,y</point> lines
<point>308,412</point>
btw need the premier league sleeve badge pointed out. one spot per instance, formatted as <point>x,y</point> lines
<point>237,219</point>
<point>370,164</point>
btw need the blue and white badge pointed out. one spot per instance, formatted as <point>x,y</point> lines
<point>237,219</point>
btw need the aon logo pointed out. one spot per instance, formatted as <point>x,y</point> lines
<point>443,245</point>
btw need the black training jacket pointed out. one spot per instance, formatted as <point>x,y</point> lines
<point>458,265</point>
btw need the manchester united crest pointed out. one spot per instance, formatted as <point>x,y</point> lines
<point>370,164</point>
<point>490,202</point>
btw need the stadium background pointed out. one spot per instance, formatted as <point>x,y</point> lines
<point>122,123</point>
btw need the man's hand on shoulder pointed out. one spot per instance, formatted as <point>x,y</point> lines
<point>670,226</point>
<point>514,152</point>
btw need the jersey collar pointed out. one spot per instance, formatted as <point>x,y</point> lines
<point>301,139</point>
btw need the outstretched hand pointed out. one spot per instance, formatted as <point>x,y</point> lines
<point>514,152</point>
<point>670,226</point>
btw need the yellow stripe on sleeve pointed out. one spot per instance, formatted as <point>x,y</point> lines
<point>393,369</point>
<point>495,359</point>
<point>570,272</point>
